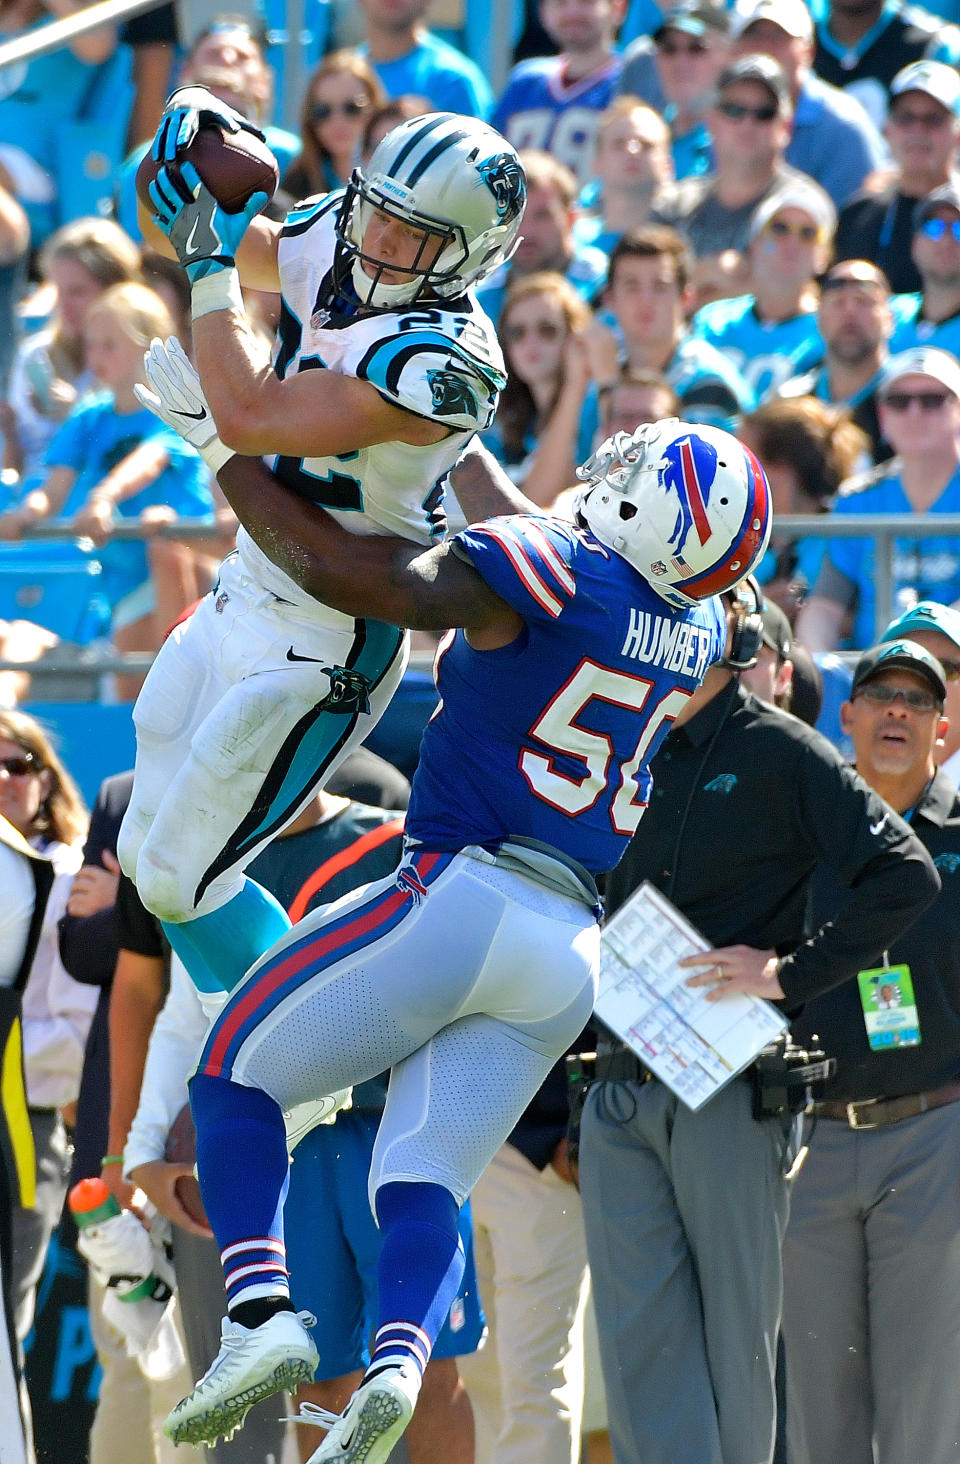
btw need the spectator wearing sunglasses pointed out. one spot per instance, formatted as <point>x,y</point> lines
<point>833,138</point>
<point>919,411</point>
<point>341,95</point>
<point>676,72</point>
<point>936,628</point>
<point>854,321</point>
<point>750,123</point>
<point>540,432</point>
<point>771,334</point>
<point>922,130</point>
<point>931,316</point>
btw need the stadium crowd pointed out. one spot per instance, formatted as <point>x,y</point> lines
<point>744,216</point>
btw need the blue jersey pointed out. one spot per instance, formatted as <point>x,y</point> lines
<point>766,352</point>
<point>910,329</point>
<point>550,737</point>
<point>449,80</point>
<point>928,567</point>
<point>540,108</point>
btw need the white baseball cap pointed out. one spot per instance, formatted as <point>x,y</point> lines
<point>806,196</point>
<point>921,361</point>
<point>792,16</point>
<point>934,79</point>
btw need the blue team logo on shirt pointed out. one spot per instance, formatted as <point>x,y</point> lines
<point>504,177</point>
<point>451,395</point>
<point>691,466</point>
<point>722,783</point>
<point>950,863</point>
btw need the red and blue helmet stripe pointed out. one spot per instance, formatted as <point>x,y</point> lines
<point>748,542</point>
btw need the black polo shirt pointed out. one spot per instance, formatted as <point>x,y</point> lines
<point>747,801</point>
<point>879,227</point>
<point>931,948</point>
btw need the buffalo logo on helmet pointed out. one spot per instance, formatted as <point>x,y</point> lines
<point>504,177</point>
<point>689,471</point>
<point>451,394</point>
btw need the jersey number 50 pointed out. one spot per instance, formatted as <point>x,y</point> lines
<point>558,728</point>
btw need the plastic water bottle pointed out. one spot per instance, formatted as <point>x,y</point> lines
<point>138,1277</point>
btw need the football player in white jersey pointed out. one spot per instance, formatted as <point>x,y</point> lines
<point>383,368</point>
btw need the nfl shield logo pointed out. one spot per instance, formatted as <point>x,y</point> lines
<point>658,568</point>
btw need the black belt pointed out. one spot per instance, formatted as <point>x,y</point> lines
<point>867,1113</point>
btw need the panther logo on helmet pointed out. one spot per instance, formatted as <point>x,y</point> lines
<point>451,395</point>
<point>504,177</point>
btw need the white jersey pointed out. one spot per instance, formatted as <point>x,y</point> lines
<point>439,360</point>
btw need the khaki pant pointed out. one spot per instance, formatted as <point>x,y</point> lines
<point>527,1383</point>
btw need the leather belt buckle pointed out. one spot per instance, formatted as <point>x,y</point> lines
<point>853,1115</point>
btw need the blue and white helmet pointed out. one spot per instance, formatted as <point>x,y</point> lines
<point>441,172</point>
<point>688,506</point>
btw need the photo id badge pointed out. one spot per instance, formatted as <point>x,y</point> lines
<point>889,1008</point>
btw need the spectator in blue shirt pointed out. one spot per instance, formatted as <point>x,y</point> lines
<point>919,406</point>
<point>931,317</point>
<point>411,61</point>
<point>771,334</point>
<point>554,102</point>
<point>631,165</point>
<point>863,44</point>
<point>648,293</point>
<point>833,139</point>
<point>548,239</point>
<point>675,71</point>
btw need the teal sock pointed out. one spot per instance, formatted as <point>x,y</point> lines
<point>218,949</point>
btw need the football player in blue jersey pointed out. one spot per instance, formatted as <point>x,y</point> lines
<point>470,971</point>
<point>382,369</point>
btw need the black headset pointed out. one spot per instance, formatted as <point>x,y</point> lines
<point>746,637</point>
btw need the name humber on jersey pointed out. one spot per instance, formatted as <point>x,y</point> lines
<point>676,645</point>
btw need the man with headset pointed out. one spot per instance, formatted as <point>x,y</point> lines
<point>685,1212</point>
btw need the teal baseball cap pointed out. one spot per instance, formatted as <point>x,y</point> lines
<point>925,615</point>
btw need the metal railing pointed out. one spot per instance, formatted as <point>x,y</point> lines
<point>883,528</point>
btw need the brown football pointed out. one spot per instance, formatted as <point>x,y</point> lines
<point>182,1149</point>
<point>233,165</point>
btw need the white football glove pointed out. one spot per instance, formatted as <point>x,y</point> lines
<point>177,398</point>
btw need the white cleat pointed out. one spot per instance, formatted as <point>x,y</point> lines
<point>303,1117</point>
<point>371,1423</point>
<point>253,1363</point>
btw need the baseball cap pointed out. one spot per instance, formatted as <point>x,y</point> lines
<point>933,78</point>
<point>694,18</point>
<point>900,655</point>
<point>776,629</point>
<point>762,69</point>
<point>792,16</point>
<point>921,361</point>
<point>946,196</point>
<point>926,615</point>
<point>812,201</point>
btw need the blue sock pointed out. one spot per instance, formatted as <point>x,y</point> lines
<point>419,1273</point>
<point>223,945</point>
<point>244,1171</point>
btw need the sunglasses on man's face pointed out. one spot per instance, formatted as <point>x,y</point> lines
<point>19,767</point>
<point>883,695</point>
<point>936,228</point>
<point>323,111</point>
<point>927,401</point>
<point>736,111</point>
<point>672,48</point>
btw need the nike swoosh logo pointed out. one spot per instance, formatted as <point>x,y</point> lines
<point>875,828</point>
<point>292,656</point>
<point>194,416</point>
<point>189,248</point>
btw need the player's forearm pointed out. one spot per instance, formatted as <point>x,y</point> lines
<point>385,578</point>
<point>483,489</point>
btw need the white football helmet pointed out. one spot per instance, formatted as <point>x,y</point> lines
<point>688,506</point>
<point>442,173</point>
